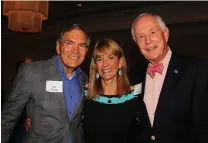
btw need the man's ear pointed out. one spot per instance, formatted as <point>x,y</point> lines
<point>87,50</point>
<point>57,47</point>
<point>166,35</point>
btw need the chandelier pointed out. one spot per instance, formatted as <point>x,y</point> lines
<point>25,16</point>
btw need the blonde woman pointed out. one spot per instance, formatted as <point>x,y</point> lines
<point>110,108</point>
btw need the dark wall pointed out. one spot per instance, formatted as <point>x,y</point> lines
<point>16,46</point>
<point>188,29</point>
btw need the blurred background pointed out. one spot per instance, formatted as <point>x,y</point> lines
<point>187,22</point>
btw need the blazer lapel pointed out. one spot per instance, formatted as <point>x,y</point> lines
<point>80,104</point>
<point>170,81</point>
<point>53,70</point>
<point>54,75</point>
<point>143,90</point>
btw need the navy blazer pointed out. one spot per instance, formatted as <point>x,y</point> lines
<point>181,114</point>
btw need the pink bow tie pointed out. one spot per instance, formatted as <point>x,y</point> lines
<point>152,69</point>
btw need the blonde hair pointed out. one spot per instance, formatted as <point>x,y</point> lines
<point>95,86</point>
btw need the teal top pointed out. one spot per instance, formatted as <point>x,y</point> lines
<point>113,99</point>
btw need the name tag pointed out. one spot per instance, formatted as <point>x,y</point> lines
<point>137,88</point>
<point>54,86</point>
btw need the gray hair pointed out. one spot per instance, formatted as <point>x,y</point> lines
<point>72,27</point>
<point>157,17</point>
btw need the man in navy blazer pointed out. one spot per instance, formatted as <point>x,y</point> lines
<point>175,88</point>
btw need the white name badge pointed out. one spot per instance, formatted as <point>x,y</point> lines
<point>54,86</point>
<point>137,88</point>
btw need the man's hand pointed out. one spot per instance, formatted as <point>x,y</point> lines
<point>27,124</point>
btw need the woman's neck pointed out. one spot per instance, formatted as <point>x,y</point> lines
<point>109,87</point>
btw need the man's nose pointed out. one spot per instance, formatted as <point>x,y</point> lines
<point>147,39</point>
<point>75,48</point>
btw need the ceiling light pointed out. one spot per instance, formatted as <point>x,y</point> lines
<point>25,16</point>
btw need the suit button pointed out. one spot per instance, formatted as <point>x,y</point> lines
<point>153,138</point>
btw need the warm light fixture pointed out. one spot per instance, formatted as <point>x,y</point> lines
<point>28,59</point>
<point>79,4</point>
<point>25,16</point>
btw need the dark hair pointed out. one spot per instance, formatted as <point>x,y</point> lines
<point>72,27</point>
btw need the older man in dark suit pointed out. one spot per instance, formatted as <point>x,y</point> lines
<point>175,88</point>
<point>52,93</point>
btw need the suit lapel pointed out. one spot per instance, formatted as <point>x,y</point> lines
<point>80,104</point>
<point>52,69</point>
<point>143,90</point>
<point>53,74</point>
<point>166,95</point>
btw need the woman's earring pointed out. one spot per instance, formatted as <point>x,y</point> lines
<point>97,75</point>
<point>120,72</point>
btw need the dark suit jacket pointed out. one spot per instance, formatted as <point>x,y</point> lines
<point>47,110</point>
<point>181,115</point>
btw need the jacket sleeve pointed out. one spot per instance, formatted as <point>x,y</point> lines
<point>200,105</point>
<point>16,101</point>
